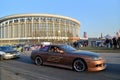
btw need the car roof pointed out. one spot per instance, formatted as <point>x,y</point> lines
<point>57,44</point>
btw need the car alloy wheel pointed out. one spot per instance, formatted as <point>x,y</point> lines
<point>38,60</point>
<point>79,65</point>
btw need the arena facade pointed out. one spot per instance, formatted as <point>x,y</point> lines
<point>36,28</point>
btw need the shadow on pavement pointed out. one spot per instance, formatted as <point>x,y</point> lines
<point>113,68</point>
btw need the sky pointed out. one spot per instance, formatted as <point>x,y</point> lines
<point>96,16</point>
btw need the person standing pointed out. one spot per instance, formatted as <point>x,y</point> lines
<point>118,41</point>
<point>107,42</point>
<point>111,43</point>
<point>114,42</point>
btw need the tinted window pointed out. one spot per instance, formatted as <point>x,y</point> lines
<point>68,48</point>
<point>45,48</point>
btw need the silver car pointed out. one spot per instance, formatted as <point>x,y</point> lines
<point>7,52</point>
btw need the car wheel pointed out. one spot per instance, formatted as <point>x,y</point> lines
<point>1,58</point>
<point>38,60</point>
<point>79,65</point>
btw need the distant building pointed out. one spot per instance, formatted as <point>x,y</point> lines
<point>36,28</point>
<point>94,41</point>
<point>85,35</point>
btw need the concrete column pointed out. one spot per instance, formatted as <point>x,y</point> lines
<point>0,30</point>
<point>32,27</point>
<point>53,27</point>
<point>25,29</point>
<point>13,30</point>
<point>65,29</point>
<point>46,22</point>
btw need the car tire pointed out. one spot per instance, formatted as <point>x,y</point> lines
<point>79,65</point>
<point>1,57</point>
<point>38,60</point>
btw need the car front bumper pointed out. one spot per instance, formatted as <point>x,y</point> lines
<point>96,65</point>
<point>10,56</point>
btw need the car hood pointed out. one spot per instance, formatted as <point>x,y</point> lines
<point>1,52</point>
<point>86,53</point>
<point>10,51</point>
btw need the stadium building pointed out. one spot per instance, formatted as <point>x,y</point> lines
<point>36,28</point>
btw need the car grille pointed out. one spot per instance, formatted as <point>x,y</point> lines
<point>100,65</point>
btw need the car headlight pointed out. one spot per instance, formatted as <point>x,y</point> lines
<point>96,58</point>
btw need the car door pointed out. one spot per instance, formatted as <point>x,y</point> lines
<point>54,57</point>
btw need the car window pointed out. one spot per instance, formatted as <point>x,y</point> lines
<point>51,49</point>
<point>55,49</point>
<point>67,48</point>
<point>45,48</point>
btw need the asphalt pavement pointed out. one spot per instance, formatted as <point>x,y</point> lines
<point>24,69</point>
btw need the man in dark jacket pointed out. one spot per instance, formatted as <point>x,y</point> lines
<point>118,41</point>
<point>115,42</point>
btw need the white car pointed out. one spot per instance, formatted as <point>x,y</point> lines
<point>7,52</point>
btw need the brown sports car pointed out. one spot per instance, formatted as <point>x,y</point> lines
<point>68,57</point>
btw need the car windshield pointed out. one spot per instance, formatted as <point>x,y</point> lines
<point>5,48</point>
<point>68,48</point>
